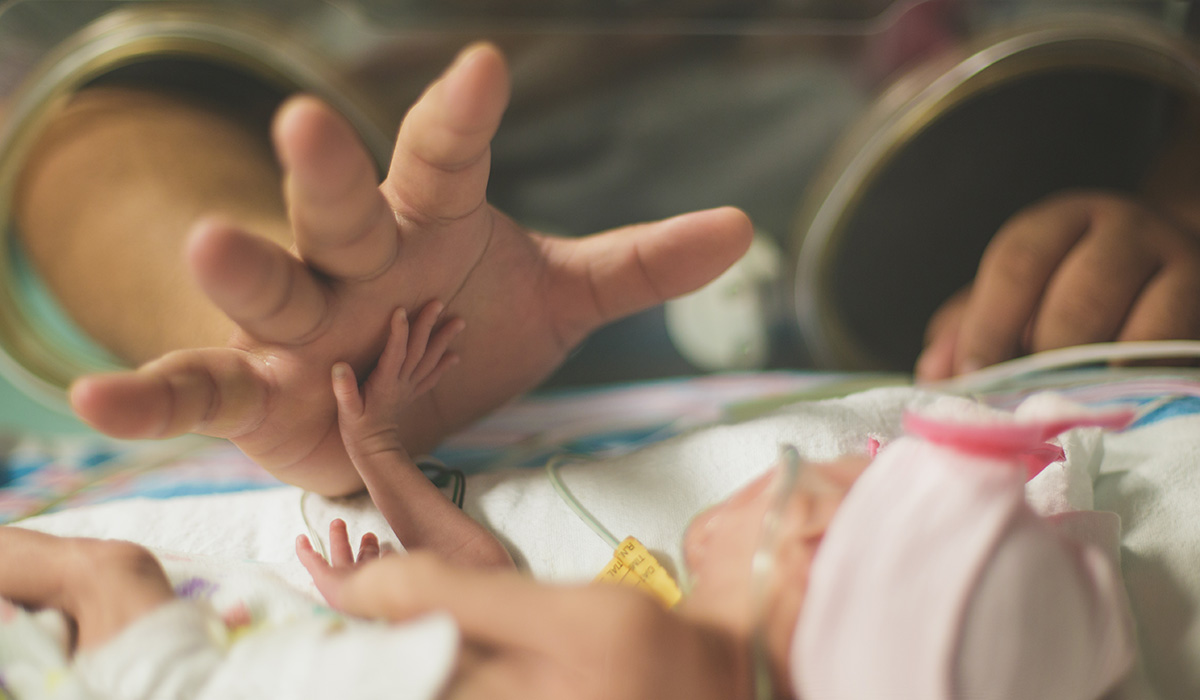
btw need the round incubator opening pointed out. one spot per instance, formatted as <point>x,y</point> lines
<point>239,57</point>
<point>902,213</point>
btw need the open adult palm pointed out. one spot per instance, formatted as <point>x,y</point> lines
<point>361,251</point>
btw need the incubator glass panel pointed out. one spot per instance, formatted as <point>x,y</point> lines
<point>877,145</point>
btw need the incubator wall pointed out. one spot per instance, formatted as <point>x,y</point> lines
<point>876,144</point>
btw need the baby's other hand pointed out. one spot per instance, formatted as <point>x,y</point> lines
<point>330,577</point>
<point>412,362</point>
<point>1077,268</point>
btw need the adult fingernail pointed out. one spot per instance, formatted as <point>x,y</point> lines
<point>467,52</point>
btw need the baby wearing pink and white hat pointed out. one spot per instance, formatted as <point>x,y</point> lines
<point>936,580</point>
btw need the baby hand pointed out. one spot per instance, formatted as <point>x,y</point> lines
<point>411,364</point>
<point>330,577</point>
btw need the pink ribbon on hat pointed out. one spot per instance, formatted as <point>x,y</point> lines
<point>1025,440</point>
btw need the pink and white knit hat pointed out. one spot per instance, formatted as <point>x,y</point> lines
<point>936,581</point>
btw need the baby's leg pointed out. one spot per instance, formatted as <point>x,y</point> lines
<point>103,585</point>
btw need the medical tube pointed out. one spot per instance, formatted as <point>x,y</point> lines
<point>763,567</point>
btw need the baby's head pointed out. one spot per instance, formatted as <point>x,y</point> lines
<point>721,544</point>
<point>922,574</point>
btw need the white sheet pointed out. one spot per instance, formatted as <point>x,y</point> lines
<point>1149,476</point>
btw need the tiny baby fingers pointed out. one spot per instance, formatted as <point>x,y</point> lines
<point>307,555</point>
<point>395,352</point>
<point>312,561</point>
<point>431,380</point>
<point>435,353</point>
<point>418,340</point>
<point>345,390</point>
<point>323,575</point>
<point>368,547</point>
<point>340,552</point>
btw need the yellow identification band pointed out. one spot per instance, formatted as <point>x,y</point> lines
<point>633,565</point>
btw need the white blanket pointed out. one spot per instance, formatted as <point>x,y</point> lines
<point>1149,476</point>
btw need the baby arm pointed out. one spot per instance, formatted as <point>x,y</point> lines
<point>369,419</point>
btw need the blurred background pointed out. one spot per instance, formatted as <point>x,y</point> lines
<point>876,144</point>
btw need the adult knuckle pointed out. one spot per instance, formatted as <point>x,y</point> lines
<point>408,581</point>
<point>632,606</point>
<point>421,567</point>
<point>1080,317</point>
<point>1014,259</point>
<point>636,618</point>
<point>1186,256</point>
<point>1078,198</point>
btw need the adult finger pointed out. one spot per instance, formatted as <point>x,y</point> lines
<point>342,223</point>
<point>610,275</point>
<point>1092,291</point>
<point>1169,306</point>
<point>212,391</point>
<point>264,289</point>
<point>491,675</point>
<point>1012,277</point>
<point>440,167</point>
<point>405,587</point>
<point>936,361</point>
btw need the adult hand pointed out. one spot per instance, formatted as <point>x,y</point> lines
<point>545,642</point>
<point>362,250</point>
<point>1080,267</point>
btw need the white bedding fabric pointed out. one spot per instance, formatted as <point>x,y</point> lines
<point>1148,476</point>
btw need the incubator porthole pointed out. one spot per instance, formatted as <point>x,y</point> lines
<point>899,218</point>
